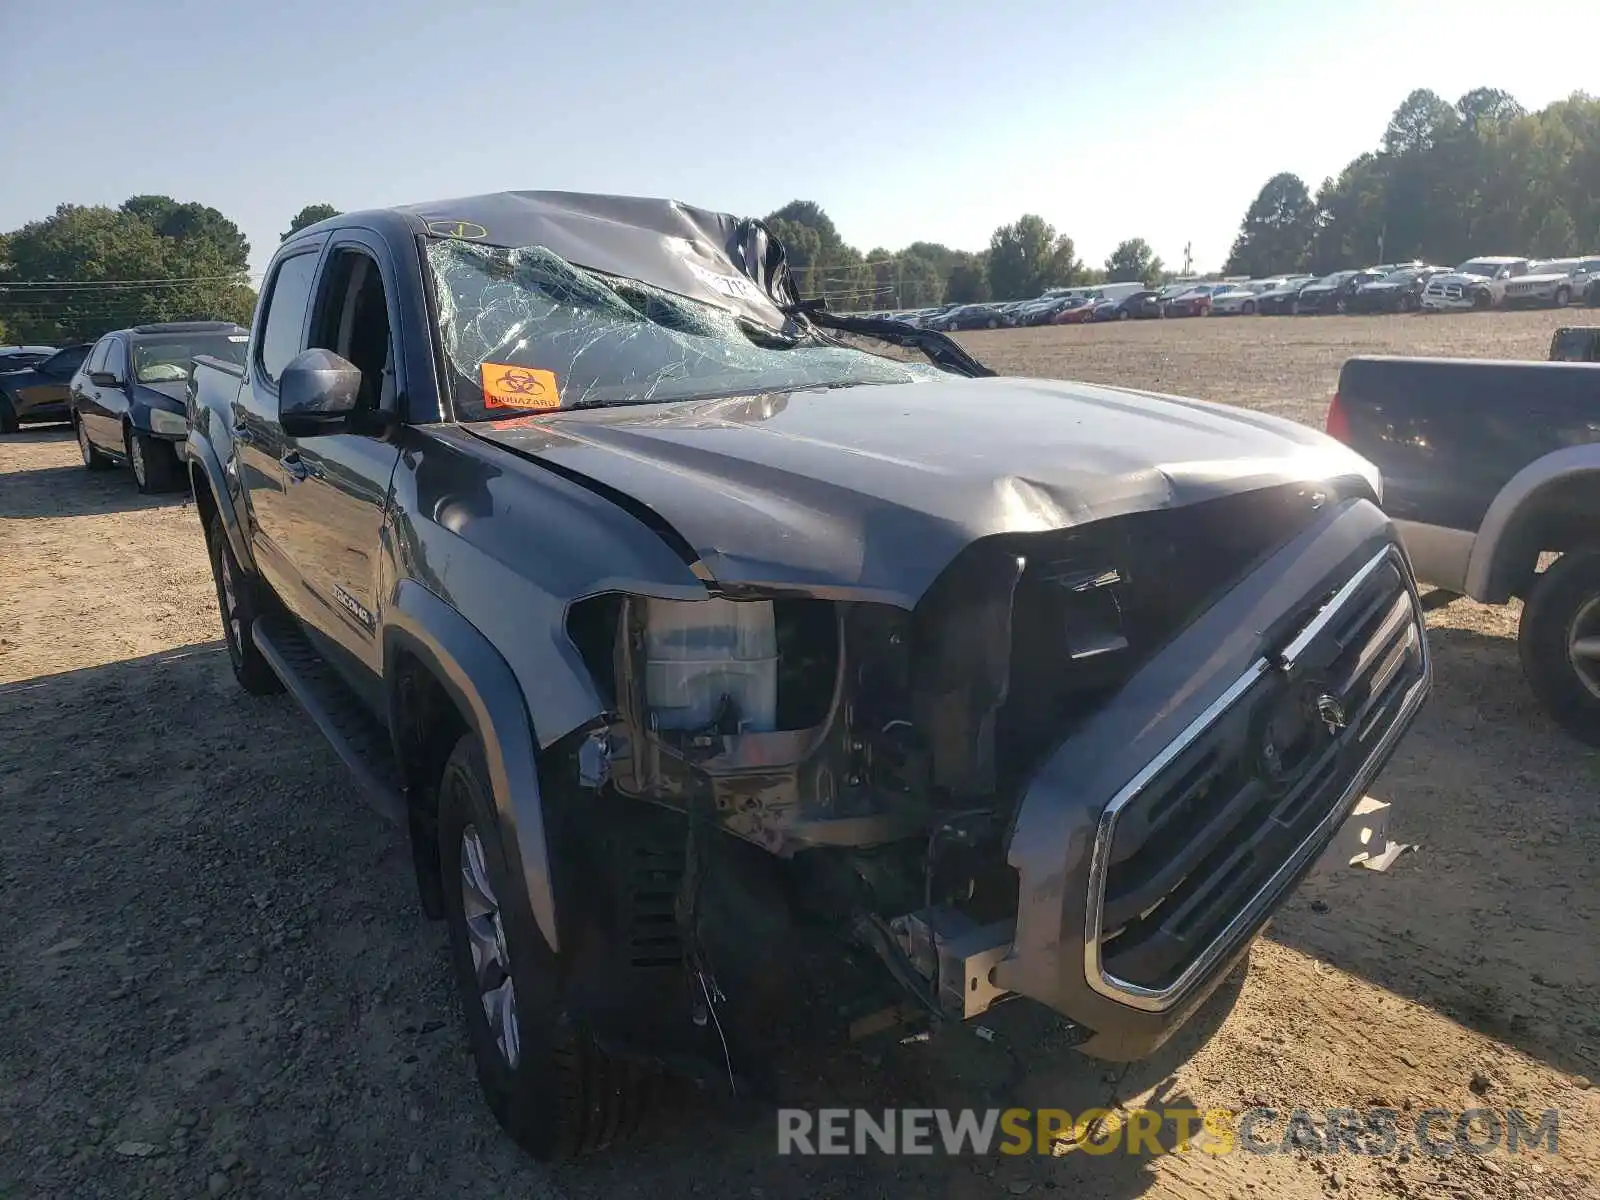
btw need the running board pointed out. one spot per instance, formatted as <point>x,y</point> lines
<point>355,736</point>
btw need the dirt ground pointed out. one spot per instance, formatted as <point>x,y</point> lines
<point>215,980</point>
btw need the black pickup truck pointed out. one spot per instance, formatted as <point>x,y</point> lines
<point>738,686</point>
<point>1488,468</point>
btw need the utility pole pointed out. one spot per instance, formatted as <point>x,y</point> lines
<point>1188,259</point>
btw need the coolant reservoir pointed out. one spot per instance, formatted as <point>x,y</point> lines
<point>699,651</point>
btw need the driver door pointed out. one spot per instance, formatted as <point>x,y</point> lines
<point>336,486</point>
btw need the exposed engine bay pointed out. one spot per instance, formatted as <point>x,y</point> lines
<point>823,775</point>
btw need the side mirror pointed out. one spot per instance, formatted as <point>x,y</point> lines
<point>104,379</point>
<point>318,393</point>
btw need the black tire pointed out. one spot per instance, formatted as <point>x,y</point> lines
<point>1563,296</point>
<point>1408,304</point>
<point>153,462</point>
<point>563,1096</point>
<point>1294,307</point>
<point>254,673</point>
<point>1123,314</point>
<point>1341,306</point>
<point>1482,300</point>
<point>93,460</point>
<point>1562,597</point>
<point>1248,308</point>
<point>8,416</point>
<point>992,324</point>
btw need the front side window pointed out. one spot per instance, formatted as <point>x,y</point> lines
<point>525,329</point>
<point>117,361</point>
<point>282,336</point>
<point>63,363</point>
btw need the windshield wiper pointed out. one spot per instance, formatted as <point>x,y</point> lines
<point>941,350</point>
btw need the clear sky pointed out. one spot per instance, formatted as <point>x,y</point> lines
<point>934,119</point>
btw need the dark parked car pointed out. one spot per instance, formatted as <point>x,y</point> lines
<point>973,316</point>
<point>1282,301</point>
<point>127,399</point>
<point>1332,293</point>
<point>1398,291</point>
<point>732,684</point>
<point>1487,468</point>
<point>1142,306</point>
<point>38,393</point>
<point>1575,343</point>
<point>13,358</point>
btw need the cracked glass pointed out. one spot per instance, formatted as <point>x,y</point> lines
<point>611,341</point>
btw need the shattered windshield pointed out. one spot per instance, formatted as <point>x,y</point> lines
<point>526,330</point>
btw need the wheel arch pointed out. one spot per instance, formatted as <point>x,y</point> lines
<point>432,653</point>
<point>206,484</point>
<point>1548,505</point>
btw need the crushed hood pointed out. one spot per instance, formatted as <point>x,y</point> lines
<point>871,491</point>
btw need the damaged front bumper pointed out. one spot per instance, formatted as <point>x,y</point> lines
<point>1150,851</point>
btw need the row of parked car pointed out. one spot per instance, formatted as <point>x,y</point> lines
<point>1478,283</point>
<point>124,394</point>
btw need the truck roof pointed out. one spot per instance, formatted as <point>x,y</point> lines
<point>714,257</point>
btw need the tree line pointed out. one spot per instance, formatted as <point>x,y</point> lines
<point>86,269</point>
<point>1447,182</point>
<point>1022,259</point>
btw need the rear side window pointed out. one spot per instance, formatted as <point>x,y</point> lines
<point>283,335</point>
<point>97,357</point>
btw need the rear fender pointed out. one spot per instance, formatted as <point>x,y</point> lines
<point>487,695</point>
<point>1504,553</point>
<point>205,471</point>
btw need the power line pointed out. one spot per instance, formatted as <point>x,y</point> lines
<point>117,284</point>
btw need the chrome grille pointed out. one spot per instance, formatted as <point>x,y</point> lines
<point>1190,855</point>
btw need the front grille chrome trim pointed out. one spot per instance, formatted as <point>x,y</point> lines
<point>1151,999</point>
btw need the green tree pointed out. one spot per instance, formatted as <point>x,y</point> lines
<point>1133,260</point>
<point>1276,232</point>
<point>968,280</point>
<point>86,269</point>
<point>1418,123</point>
<point>919,281</point>
<point>1488,104</point>
<point>1027,256</point>
<point>309,215</point>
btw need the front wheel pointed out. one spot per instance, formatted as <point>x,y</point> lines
<point>1563,296</point>
<point>1294,308</point>
<point>1341,306</point>
<point>236,600</point>
<point>1123,314</point>
<point>992,324</point>
<point>1249,308</point>
<point>549,1086</point>
<point>1559,641</point>
<point>154,462</point>
<point>1481,300</point>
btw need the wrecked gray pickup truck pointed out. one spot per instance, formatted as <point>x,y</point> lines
<point>736,684</point>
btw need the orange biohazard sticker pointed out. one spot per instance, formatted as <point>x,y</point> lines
<point>508,386</point>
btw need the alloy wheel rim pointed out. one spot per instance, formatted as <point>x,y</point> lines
<point>486,938</point>
<point>83,443</point>
<point>230,602</point>
<point>1583,645</point>
<point>136,458</point>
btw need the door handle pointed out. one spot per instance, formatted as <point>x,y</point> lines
<point>298,469</point>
